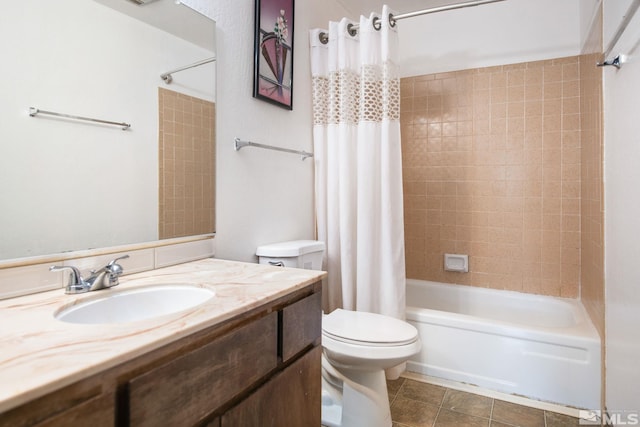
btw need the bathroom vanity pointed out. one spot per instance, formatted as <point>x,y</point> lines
<point>249,356</point>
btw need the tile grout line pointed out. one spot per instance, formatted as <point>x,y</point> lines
<point>493,401</point>
<point>435,420</point>
<point>545,406</point>
<point>447,393</point>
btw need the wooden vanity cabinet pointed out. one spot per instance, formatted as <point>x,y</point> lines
<point>190,387</point>
<point>75,405</point>
<point>290,398</point>
<point>95,412</point>
<point>261,368</point>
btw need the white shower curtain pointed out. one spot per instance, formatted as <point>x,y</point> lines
<point>358,164</point>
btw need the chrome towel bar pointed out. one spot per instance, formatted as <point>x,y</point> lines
<point>168,78</point>
<point>238,144</point>
<point>33,111</point>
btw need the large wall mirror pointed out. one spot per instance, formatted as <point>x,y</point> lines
<point>69,185</point>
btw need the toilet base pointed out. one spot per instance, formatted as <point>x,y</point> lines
<point>331,411</point>
<point>354,398</point>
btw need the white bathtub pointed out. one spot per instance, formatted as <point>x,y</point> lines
<point>540,347</point>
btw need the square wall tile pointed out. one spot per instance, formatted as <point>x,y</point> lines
<point>498,162</point>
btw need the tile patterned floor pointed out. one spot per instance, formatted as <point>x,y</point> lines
<point>418,404</point>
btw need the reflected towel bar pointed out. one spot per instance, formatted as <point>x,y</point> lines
<point>168,78</point>
<point>33,111</point>
<point>238,144</point>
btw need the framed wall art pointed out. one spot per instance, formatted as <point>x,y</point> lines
<point>273,52</point>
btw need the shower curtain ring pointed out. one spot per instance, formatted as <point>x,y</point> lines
<point>352,30</point>
<point>376,23</point>
<point>392,20</point>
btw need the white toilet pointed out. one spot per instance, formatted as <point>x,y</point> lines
<point>357,348</point>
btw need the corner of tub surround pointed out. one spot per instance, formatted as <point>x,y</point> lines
<point>25,276</point>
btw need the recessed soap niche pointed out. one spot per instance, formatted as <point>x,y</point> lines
<point>456,262</point>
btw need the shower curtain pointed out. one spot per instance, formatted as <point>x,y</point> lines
<point>358,165</point>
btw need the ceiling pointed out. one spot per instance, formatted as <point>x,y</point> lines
<point>358,7</point>
<point>170,16</point>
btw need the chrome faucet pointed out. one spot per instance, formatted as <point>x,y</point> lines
<point>106,277</point>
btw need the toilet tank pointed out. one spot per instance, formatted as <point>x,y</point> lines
<point>305,254</point>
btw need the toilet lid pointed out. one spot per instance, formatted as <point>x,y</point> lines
<point>367,328</point>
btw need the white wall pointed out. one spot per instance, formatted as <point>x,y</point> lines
<point>615,12</point>
<point>588,14</point>
<point>66,185</point>
<point>493,34</point>
<point>622,226</point>
<point>262,196</point>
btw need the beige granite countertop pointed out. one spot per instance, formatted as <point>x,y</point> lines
<point>39,354</point>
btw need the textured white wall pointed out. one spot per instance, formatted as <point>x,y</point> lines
<point>622,225</point>
<point>262,196</point>
<point>493,34</point>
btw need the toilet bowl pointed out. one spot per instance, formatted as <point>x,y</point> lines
<point>357,348</point>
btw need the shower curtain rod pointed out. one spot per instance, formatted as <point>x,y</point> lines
<point>353,28</point>
<point>168,78</point>
<point>619,59</point>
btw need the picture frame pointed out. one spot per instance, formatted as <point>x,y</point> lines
<point>273,52</point>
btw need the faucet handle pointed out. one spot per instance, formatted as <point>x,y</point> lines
<point>115,268</point>
<point>76,283</point>
<point>118,259</point>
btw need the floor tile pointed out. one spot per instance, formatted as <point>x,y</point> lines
<point>418,404</point>
<point>423,392</point>
<point>517,415</point>
<point>413,413</point>
<point>468,403</point>
<point>448,418</point>
<point>393,386</point>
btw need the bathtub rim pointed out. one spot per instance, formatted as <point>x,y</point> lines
<point>582,333</point>
<point>571,354</point>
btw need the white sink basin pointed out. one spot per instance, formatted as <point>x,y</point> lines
<point>135,304</point>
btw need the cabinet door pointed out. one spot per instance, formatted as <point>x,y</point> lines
<point>213,423</point>
<point>80,404</point>
<point>291,398</point>
<point>301,325</point>
<point>97,412</point>
<point>187,389</point>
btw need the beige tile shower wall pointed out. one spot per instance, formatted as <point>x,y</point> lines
<point>592,203</point>
<point>491,161</point>
<point>187,165</point>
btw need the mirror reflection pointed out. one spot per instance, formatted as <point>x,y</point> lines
<point>67,184</point>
